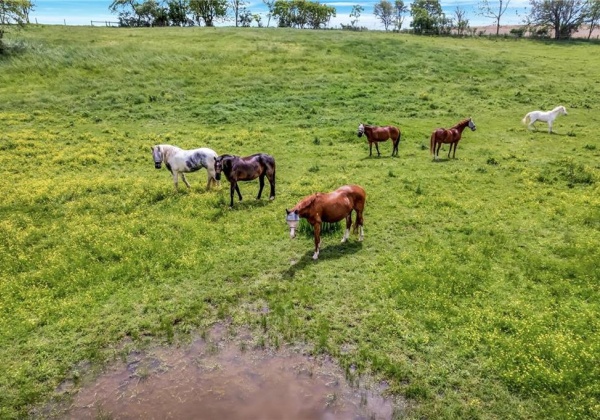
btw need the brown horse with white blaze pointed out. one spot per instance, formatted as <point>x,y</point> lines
<point>451,136</point>
<point>377,134</point>
<point>331,208</point>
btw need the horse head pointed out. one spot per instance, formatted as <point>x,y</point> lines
<point>292,219</point>
<point>222,164</point>
<point>361,130</point>
<point>157,156</point>
<point>472,125</point>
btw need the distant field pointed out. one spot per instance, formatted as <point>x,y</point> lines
<point>475,293</point>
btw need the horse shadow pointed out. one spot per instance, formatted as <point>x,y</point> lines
<point>327,253</point>
<point>222,208</point>
<point>379,157</point>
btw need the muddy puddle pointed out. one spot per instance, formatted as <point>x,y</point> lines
<point>219,378</point>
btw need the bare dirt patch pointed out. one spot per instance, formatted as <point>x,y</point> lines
<point>220,378</point>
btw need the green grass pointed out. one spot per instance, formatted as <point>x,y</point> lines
<point>475,293</point>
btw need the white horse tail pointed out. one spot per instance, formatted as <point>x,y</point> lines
<point>524,120</point>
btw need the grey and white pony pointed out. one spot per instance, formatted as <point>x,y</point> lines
<point>179,161</point>
<point>545,116</point>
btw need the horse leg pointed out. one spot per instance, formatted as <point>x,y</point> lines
<point>437,151</point>
<point>348,224</point>
<point>176,180</point>
<point>261,183</point>
<point>317,228</point>
<point>531,124</point>
<point>377,147</point>
<point>370,149</point>
<point>272,183</point>
<point>211,179</point>
<point>550,126</point>
<point>232,188</point>
<point>359,223</point>
<point>237,188</point>
<point>185,180</point>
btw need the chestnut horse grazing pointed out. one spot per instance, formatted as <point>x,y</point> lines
<point>247,168</point>
<point>376,134</point>
<point>331,208</point>
<point>451,135</point>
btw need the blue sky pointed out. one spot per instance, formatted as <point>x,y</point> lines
<point>78,12</point>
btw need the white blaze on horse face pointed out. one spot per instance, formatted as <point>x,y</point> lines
<point>292,233</point>
<point>361,130</point>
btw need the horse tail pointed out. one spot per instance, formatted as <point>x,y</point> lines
<point>432,143</point>
<point>524,120</point>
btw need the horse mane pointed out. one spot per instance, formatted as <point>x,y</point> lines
<point>306,202</point>
<point>167,150</point>
<point>461,123</point>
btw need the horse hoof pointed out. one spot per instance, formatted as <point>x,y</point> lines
<point>316,257</point>
<point>272,198</point>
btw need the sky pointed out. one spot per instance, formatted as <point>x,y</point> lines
<point>82,12</point>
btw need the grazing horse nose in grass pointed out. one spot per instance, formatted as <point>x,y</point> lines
<point>330,208</point>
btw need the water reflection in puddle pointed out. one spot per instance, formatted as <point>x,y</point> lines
<point>216,379</point>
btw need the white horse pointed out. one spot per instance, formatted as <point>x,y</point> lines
<point>179,161</point>
<point>546,116</point>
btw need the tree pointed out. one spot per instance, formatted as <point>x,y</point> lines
<point>208,10</point>
<point>384,11</point>
<point>237,6</point>
<point>494,10</point>
<point>400,10</point>
<point>318,14</point>
<point>302,13</point>
<point>563,16</point>
<point>151,13</point>
<point>592,15</point>
<point>357,9</point>
<point>427,16</point>
<point>246,18</point>
<point>13,12</point>
<point>270,6</point>
<point>178,11</point>
<point>462,24</point>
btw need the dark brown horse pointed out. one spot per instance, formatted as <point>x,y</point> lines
<point>247,168</point>
<point>331,208</point>
<point>376,134</point>
<point>452,136</point>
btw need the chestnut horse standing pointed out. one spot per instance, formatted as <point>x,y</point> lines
<point>247,168</point>
<point>376,134</point>
<point>331,208</point>
<point>452,136</point>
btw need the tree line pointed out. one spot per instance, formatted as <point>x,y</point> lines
<point>559,18</point>
<point>287,13</point>
<point>556,18</point>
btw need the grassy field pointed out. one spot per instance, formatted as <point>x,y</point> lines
<point>475,293</point>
